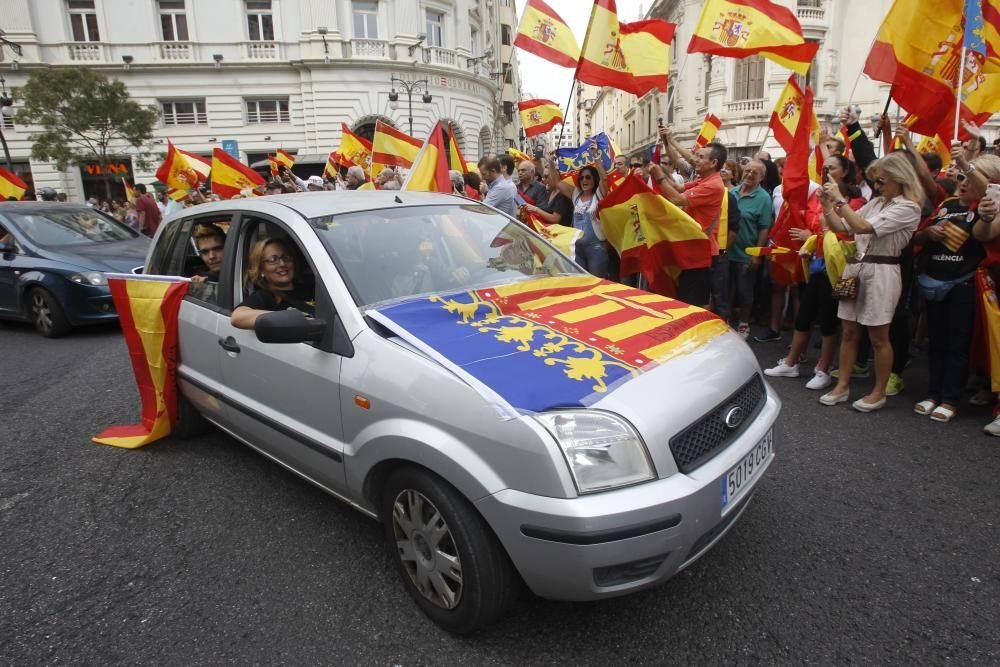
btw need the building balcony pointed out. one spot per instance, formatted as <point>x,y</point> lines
<point>175,51</point>
<point>435,55</point>
<point>811,14</point>
<point>369,48</point>
<point>262,50</point>
<point>747,106</point>
<point>86,52</point>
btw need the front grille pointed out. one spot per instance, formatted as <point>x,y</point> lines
<point>705,438</point>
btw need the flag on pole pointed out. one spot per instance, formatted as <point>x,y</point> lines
<point>331,169</point>
<point>539,116</point>
<point>787,114</point>
<point>176,170</point>
<point>709,128</point>
<point>430,167</point>
<point>201,165</point>
<point>230,176</point>
<point>354,150</point>
<point>518,155</point>
<point>544,33</point>
<point>455,158</point>
<point>646,47</point>
<point>392,147</point>
<point>11,185</point>
<point>147,309</point>
<point>129,190</point>
<point>178,195</point>
<point>741,28</point>
<point>272,165</point>
<point>284,158</point>
<point>569,160</point>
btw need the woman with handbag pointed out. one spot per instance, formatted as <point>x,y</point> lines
<point>870,287</point>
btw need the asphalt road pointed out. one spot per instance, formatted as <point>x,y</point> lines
<point>874,539</point>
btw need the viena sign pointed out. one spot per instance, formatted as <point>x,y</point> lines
<point>113,168</point>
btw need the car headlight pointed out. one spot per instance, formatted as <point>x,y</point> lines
<point>89,278</point>
<point>603,451</point>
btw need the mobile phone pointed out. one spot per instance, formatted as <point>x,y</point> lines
<point>993,191</point>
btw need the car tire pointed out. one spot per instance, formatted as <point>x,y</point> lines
<point>190,423</point>
<point>450,561</point>
<point>46,313</point>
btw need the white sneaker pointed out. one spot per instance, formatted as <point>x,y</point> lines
<point>820,380</point>
<point>783,370</point>
<point>993,428</point>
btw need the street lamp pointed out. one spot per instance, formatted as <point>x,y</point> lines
<point>7,110</point>
<point>410,87</point>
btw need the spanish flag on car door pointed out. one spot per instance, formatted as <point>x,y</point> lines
<point>147,309</point>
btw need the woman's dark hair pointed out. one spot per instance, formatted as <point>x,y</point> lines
<point>771,177</point>
<point>850,187</point>
<point>592,170</point>
<point>472,179</point>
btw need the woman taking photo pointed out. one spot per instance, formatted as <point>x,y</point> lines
<point>591,250</point>
<point>882,228</point>
<point>556,208</point>
<point>271,276</point>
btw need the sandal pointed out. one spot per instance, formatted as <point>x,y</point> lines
<point>925,407</point>
<point>943,415</point>
<point>982,397</point>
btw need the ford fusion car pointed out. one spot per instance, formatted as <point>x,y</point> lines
<point>53,261</point>
<point>508,418</point>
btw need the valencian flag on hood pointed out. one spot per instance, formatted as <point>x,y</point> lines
<point>430,168</point>
<point>918,50</point>
<point>392,147</point>
<point>230,176</point>
<point>574,159</point>
<point>176,170</point>
<point>354,150</point>
<point>147,308</point>
<point>539,116</point>
<point>741,28</point>
<point>548,343</point>
<point>544,33</point>
<point>11,185</point>
<point>709,128</point>
<point>653,236</point>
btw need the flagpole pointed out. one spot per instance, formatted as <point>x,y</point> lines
<point>562,125</point>
<point>958,93</point>
<point>767,134</point>
<point>583,50</point>
<point>673,87</point>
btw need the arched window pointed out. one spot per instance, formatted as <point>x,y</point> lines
<point>365,126</point>
<point>485,141</point>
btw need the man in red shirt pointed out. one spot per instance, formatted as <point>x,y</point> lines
<point>149,212</point>
<point>702,200</point>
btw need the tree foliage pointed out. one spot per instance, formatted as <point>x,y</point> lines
<point>84,116</point>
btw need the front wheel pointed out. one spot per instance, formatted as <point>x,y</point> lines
<point>452,564</point>
<point>47,314</point>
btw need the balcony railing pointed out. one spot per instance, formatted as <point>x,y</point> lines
<point>743,106</point>
<point>811,13</point>
<point>435,55</point>
<point>86,52</point>
<point>370,48</point>
<point>263,51</point>
<point>176,51</point>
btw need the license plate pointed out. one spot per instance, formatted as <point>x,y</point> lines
<point>742,476</point>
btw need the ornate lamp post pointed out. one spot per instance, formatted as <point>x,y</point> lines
<point>410,87</point>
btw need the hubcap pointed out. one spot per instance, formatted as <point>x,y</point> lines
<point>41,311</point>
<point>427,549</point>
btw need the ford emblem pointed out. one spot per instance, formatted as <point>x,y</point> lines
<point>734,417</point>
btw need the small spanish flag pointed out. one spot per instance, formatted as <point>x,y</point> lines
<point>392,147</point>
<point>331,169</point>
<point>354,150</point>
<point>518,155</point>
<point>430,168</point>
<point>129,190</point>
<point>11,185</point>
<point>455,158</point>
<point>284,158</point>
<point>230,176</point>
<point>709,128</point>
<point>272,165</point>
<point>539,116</point>
<point>176,170</point>
<point>544,33</point>
<point>147,309</point>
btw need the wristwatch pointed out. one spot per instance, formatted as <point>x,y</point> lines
<point>968,170</point>
<point>838,205</point>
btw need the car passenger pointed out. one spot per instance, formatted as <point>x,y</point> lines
<point>271,276</point>
<point>211,242</point>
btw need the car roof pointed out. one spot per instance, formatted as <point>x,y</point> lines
<point>317,204</point>
<point>36,207</point>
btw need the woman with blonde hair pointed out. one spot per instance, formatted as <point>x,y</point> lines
<point>271,277</point>
<point>882,228</point>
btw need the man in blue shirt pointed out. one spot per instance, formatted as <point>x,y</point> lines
<point>501,191</point>
<point>755,223</point>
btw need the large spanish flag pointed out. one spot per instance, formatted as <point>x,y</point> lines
<point>544,33</point>
<point>176,170</point>
<point>11,185</point>
<point>653,236</point>
<point>392,147</point>
<point>455,158</point>
<point>539,116</point>
<point>354,150</point>
<point>918,50</point>
<point>430,168</point>
<point>741,28</point>
<point>646,45</point>
<point>230,176</point>
<point>199,163</point>
<point>709,128</point>
<point>147,309</point>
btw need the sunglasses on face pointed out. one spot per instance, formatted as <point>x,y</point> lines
<point>960,177</point>
<point>586,177</point>
<point>275,259</point>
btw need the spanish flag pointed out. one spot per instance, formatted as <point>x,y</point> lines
<point>787,113</point>
<point>354,150</point>
<point>230,176</point>
<point>147,309</point>
<point>331,169</point>
<point>935,145</point>
<point>741,28</point>
<point>918,50</point>
<point>178,195</point>
<point>129,190</point>
<point>200,164</point>
<point>539,116</point>
<point>544,33</point>
<point>392,147</point>
<point>518,155</point>
<point>709,128</point>
<point>284,158</point>
<point>653,236</point>
<point>455,158</point>
<point>430,168</point>
<point>646,46</point>
<point>176,170</point>
<point>272,165</point>
<point>11,185</point>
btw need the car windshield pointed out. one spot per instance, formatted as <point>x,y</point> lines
<point>70,227</point>
<point>398,253</point>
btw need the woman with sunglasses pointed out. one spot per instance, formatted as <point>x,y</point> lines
<point>591,249</point>
<point>882,229</point>
<point>271,275</point>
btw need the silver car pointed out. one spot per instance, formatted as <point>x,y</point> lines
<point>578,499</point>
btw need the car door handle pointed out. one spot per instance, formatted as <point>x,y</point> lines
<point>229,344</point>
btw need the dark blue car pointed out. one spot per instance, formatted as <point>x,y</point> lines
<point>53,261</point>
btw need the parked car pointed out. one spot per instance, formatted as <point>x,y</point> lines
<point>578,503</point>
<point>53,261</point>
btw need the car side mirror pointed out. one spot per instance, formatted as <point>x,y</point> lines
<point>6,248</point>
<point>288,326</point>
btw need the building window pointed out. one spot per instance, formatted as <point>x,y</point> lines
<point>83,21</point>
<point>508,111</point>
<point>365,20</point>
<point>474,39</point>
<point>185,113</point>
<point>505,34</point>
<point>435,28</point>
<point>810,3</point>
<point>260,22</point>
<point>748,84</point>
<point>267,111</point>
<point>173,22</point>
<point>8,122</point>
<point>810,77</point>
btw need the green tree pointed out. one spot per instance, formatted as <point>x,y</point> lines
<point>85,117</point>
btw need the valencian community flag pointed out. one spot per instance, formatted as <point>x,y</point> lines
<point>539,116</point>
<point>544,33</point>
<point>176,170</point>
<point>147,309</point>
<point>392,147</point>
<point>230,176</point>
<point>548,343</point>
<point>11,185</point>
<point>430,168</point>
<point>918,50</point>
<point>653,236</point>
<point>574,159</point>
<point>709,128</point>
<point>741,28</point>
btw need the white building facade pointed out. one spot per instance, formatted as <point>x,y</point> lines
<point>270,74</point>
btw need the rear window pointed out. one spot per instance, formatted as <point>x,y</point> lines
<point>71,227</point>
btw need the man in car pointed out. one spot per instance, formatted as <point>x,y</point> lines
<point>211,242</point>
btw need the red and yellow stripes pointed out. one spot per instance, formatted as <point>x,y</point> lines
<point>230,176</point>
<point>539,116</point>
<point>430,168</point>
<point>392,147</point>
<point>11,185</point>
<point>709,128</point>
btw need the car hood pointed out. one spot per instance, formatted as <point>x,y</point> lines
<point>110,257</point>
